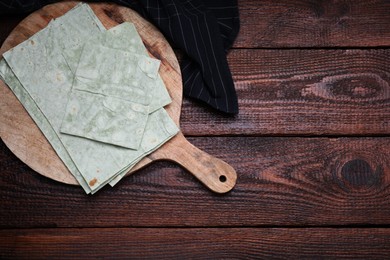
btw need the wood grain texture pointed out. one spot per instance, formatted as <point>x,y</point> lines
<point>307,23</point>
<point>157,243</point>
<point>302,185</point>
<point>302,92</point>
<point>281,181</point>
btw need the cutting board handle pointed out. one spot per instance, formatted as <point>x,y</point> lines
<point>216,174</point>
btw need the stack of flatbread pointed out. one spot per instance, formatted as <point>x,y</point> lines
<point>95,94</point>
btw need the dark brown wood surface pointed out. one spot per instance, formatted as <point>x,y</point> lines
<point>195,243</point>
<point>307,23</point>
<point>311,147</point>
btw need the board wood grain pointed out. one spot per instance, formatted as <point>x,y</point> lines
<point>23,137</point>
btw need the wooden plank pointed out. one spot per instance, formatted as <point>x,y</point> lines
<point>281,181</point>
<point>302,92</point>
<point>303,23</point>
<point>211,243</point>
<point>306,23</point>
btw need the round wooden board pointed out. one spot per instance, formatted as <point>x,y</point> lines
<point>25,140</point>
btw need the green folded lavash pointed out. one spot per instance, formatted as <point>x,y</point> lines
<point>91,25</point>
<point>106,119</point>
<point>123,37</point>
<point>109,100</point>
<point>46,81</point>
<point>126,38</point>
<point>39,118</point>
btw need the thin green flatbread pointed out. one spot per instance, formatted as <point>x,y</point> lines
<point>159,129</point>
<point>39,118</point>
<point>124,37</point>
<point>112,107</point>
<point>43,71</point>
<point>93,25</point>
<point>43,85</point>
<point>105,119</point>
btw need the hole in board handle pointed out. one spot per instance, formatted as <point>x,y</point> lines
<point>222,178</point>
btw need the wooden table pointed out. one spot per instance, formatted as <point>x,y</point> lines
<point>311,147</point>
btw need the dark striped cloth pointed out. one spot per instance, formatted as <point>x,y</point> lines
<point>204,30</point>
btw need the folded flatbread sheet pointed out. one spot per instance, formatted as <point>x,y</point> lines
<point>41,77</point>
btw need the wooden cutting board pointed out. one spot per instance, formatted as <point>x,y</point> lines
<point>25,140</point>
